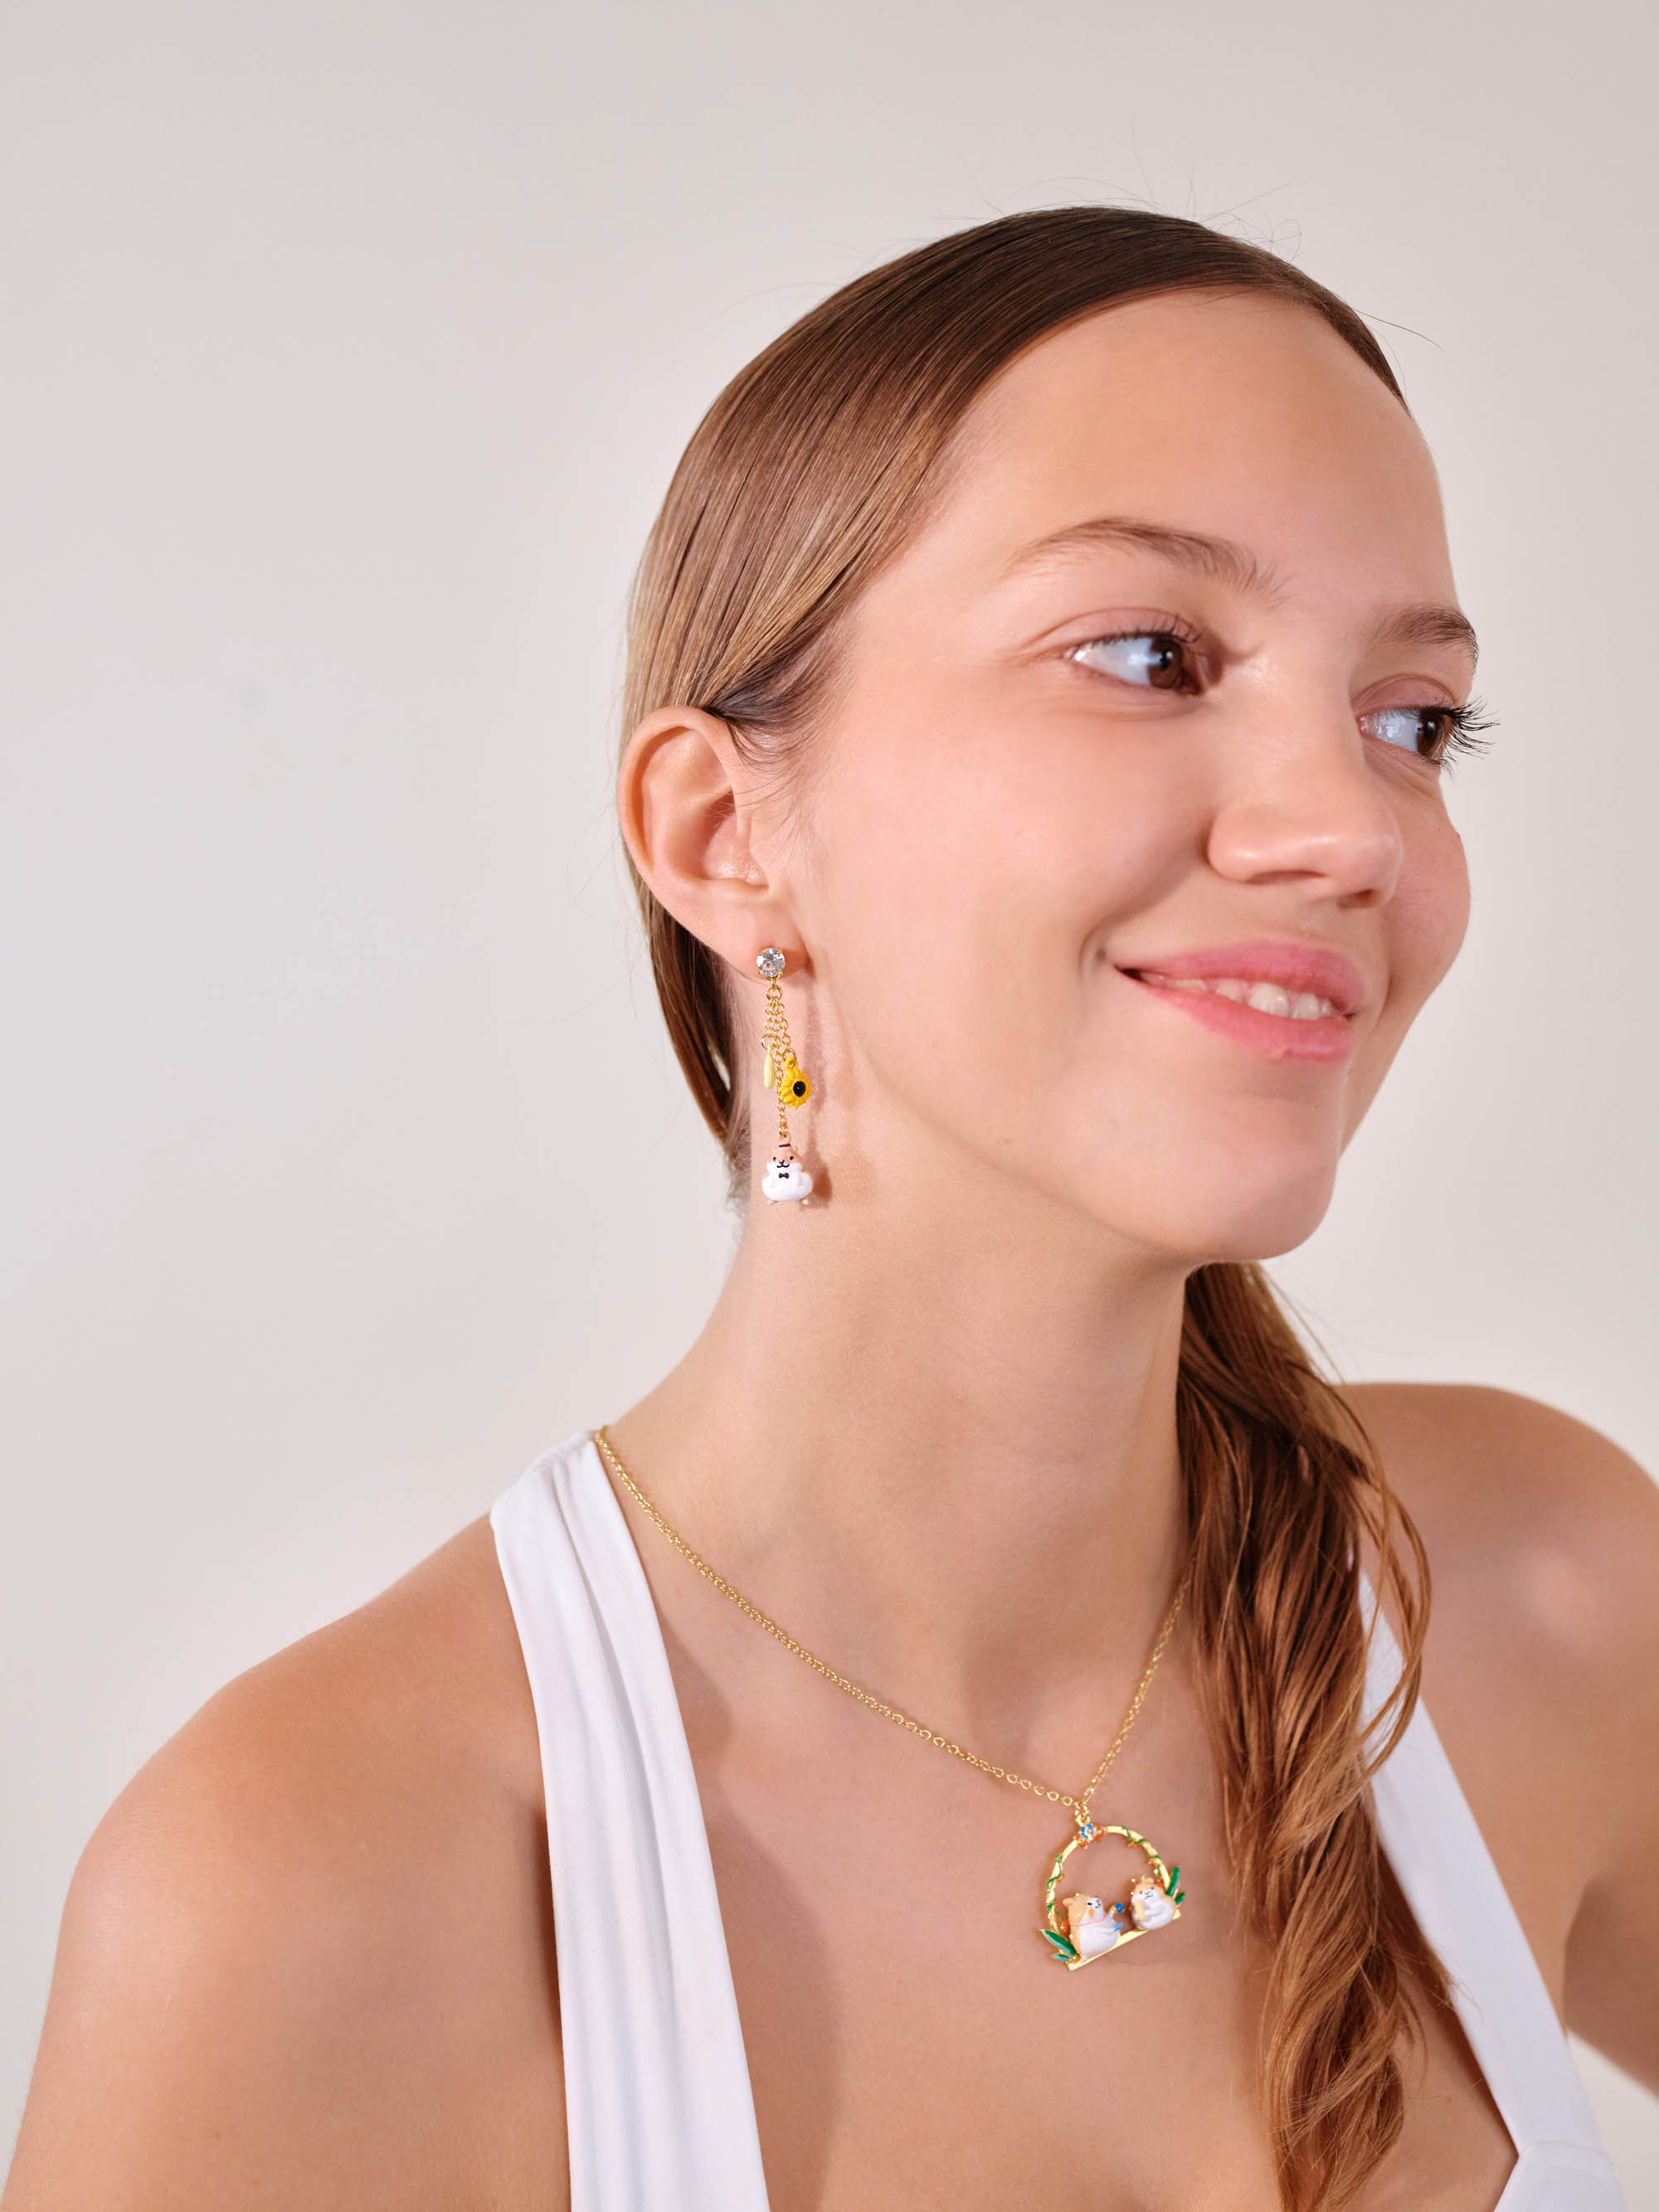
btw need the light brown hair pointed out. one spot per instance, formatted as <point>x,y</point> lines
<point>812,471</point>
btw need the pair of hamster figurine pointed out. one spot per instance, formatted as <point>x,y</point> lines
<point>1094,1926</point>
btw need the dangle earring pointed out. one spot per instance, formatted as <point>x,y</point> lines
<point>781,1073</point>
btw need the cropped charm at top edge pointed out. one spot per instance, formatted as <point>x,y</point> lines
<point>782,1075</point>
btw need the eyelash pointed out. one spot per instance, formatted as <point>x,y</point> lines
<point>1461,725</point>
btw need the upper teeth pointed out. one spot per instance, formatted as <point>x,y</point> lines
<point>1266,997</point>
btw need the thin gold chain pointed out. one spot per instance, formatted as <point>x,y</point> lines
<point>1079,1803</point>
<point>775,1034</point>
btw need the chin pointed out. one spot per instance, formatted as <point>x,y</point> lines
<point>1232,1217</point>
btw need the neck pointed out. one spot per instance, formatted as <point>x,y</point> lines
<point>941,1450</point>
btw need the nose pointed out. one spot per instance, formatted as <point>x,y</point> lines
<point>1309,808</point>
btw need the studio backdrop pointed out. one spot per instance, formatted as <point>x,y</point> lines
<point>348,349</point>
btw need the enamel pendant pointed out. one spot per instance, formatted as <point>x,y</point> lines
<point>1079,1929</point>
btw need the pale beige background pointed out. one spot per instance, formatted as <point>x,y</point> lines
<point>347,351</point>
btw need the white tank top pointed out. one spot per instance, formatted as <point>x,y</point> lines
<point>660,2113</point>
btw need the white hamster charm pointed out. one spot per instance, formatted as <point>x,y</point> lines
<point>786,1178</point>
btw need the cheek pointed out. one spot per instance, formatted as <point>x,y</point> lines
<point>971,817</point>
<point>1429,913</point>
<point>1423,928</point>
<point>983,857</point>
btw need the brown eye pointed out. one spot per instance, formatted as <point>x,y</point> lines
<point>1166,664</point>
<point>1433,733</point>
<point>1423,730</point>
<point>1151,659</point>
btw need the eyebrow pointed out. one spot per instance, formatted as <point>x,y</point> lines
<point>1220,557</point>
<point>1429,624</point>
<point>1228,562</point>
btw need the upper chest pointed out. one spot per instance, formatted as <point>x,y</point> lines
<point>910,2041</point>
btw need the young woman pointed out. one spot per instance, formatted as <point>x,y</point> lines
<point>958,1740</point>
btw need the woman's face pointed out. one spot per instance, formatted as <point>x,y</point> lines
<point>1123,862</point>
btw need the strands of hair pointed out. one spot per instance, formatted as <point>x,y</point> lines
<point>811,470</point>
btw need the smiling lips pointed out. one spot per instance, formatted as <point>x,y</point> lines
<point>1266,997</point>
<point>1285,1000</point>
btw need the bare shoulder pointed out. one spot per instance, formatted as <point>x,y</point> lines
<point>306,1957</point>
<point>1541,1671</point>
<point>1520,1502</point>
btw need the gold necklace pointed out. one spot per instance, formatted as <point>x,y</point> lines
<point>1077,1929</point>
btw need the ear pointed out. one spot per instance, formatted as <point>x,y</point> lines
<point>680,798</point>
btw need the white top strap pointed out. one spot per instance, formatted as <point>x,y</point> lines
<point>659,2109</point>
<point>1460,1905</point>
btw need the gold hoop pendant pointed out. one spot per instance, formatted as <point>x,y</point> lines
<point>1079,1929</point>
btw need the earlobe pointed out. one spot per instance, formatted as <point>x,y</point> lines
<point>679,801</point>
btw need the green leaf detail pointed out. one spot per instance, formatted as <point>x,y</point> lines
<point>1175,1877</point>
<point>1064,1946</point>
<point>1180,1896</point>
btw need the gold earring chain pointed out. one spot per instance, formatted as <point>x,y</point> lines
<point>781,1072</point>
<point>774,1032</point>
